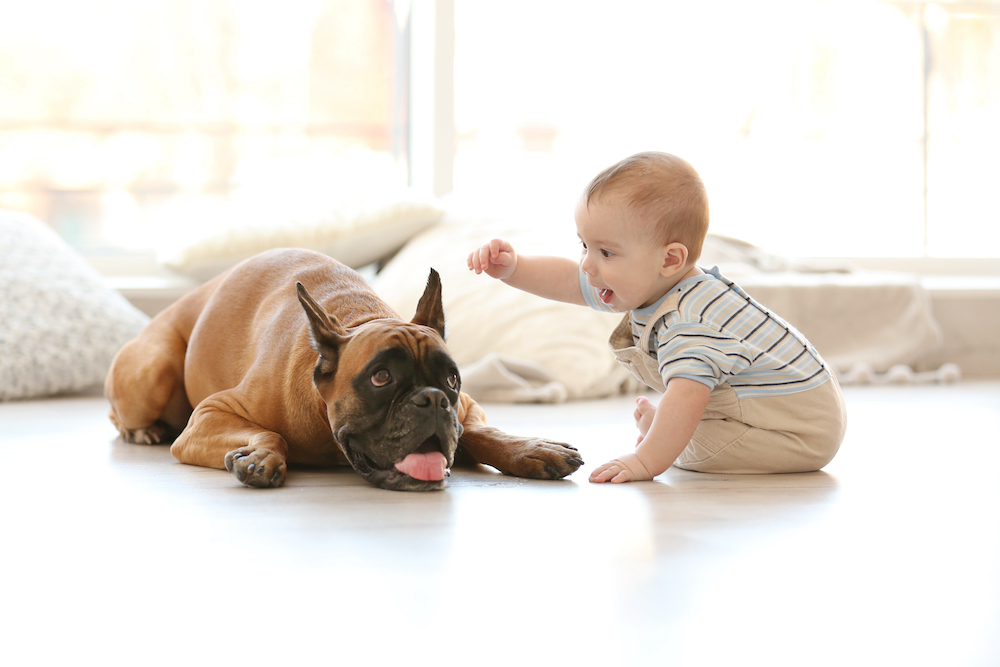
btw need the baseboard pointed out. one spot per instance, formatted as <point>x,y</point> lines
<point>150,294</point>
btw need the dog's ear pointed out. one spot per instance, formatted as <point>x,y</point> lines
<point>327,334</point>
<point>430,310</point>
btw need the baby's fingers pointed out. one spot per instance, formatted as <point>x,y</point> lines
<point>479,259</point>
<point>622,477</point>
<point>496,247</point>
<point>605,472</point>
<point>598,473</point>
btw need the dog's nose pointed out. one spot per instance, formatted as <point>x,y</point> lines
<point>429,397</point>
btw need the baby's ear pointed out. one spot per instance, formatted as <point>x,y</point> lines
<point>675,257</point>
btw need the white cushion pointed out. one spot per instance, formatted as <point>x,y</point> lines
<point>513,346</point>
<point>356,229</point>
<point>60,327</point>
<point>566,346</point>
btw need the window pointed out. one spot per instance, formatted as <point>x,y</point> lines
<point>114,113</point>
<point>848,128</point>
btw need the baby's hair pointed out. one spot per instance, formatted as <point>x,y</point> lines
<point>665,192</point>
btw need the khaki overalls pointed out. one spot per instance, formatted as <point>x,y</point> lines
<point>798,432</point>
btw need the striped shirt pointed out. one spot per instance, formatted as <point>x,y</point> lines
<point>718,333</point>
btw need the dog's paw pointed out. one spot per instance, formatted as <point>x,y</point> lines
<point>258,468</point>
<point>157,434</point>
<point>545,459</point>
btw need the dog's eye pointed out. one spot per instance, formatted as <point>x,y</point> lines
<point>381,378</point>
<point>453,380</point>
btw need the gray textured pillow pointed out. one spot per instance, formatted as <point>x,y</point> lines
<point>60,327</point>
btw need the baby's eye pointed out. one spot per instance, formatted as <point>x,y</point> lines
<point>606,253</point>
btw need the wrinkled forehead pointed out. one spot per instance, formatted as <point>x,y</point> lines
<point>416,340</point>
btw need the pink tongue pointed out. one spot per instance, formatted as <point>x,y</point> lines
<point>606,295</point>
<point>427,467</point>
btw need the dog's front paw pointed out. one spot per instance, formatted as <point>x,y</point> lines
<point>258,468</point>
<point>544,459</point>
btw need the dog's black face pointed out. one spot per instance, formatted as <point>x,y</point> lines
<point>398,426</point>
<point>392,393</point>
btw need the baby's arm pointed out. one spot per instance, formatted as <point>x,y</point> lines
<point>674,422</point>
<point>555,278</point>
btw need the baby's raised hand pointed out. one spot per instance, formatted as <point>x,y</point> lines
<point>626,468</point>
<point>496,259</point>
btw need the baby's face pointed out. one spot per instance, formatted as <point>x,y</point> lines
<point>627,271</point>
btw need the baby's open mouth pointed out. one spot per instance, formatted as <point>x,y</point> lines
<point>606,295</point>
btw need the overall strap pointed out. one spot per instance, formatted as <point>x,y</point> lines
<point>669,304</point>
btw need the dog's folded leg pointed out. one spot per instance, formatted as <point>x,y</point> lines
<point>217,437</point>
<point>513,455</point>
<point>145,388</point>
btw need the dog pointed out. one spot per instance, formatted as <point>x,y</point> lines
<point>290,357</point>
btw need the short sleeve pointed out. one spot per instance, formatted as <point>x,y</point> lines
<point>696,352</point>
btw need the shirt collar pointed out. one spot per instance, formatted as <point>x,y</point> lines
<point>709,274</point>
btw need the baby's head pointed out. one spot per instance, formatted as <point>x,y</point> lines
<point>662,194</point>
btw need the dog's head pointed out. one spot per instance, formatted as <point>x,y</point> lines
<point>391,391</point>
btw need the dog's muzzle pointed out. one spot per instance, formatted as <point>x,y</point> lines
<point>427,463</point>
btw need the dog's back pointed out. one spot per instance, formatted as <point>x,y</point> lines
<point>254,310</point>
<point>211,338</point>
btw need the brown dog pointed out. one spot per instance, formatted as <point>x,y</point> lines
<point>290,357</point>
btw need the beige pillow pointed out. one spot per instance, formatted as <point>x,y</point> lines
<point>511,346</point>
<point>515,347</point>
<point>356,230</point>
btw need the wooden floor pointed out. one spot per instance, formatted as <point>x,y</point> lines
<point>116,554</point>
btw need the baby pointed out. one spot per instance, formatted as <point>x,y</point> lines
<point>743,391</point>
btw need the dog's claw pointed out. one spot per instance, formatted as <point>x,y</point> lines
<point>154,434</point>
<point>550,460</point>
<point>256,467</point>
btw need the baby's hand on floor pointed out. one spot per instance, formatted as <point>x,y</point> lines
<point>627,468</point>
<point>496,258</point>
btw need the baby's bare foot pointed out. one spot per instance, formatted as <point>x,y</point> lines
<point>644,411</point>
